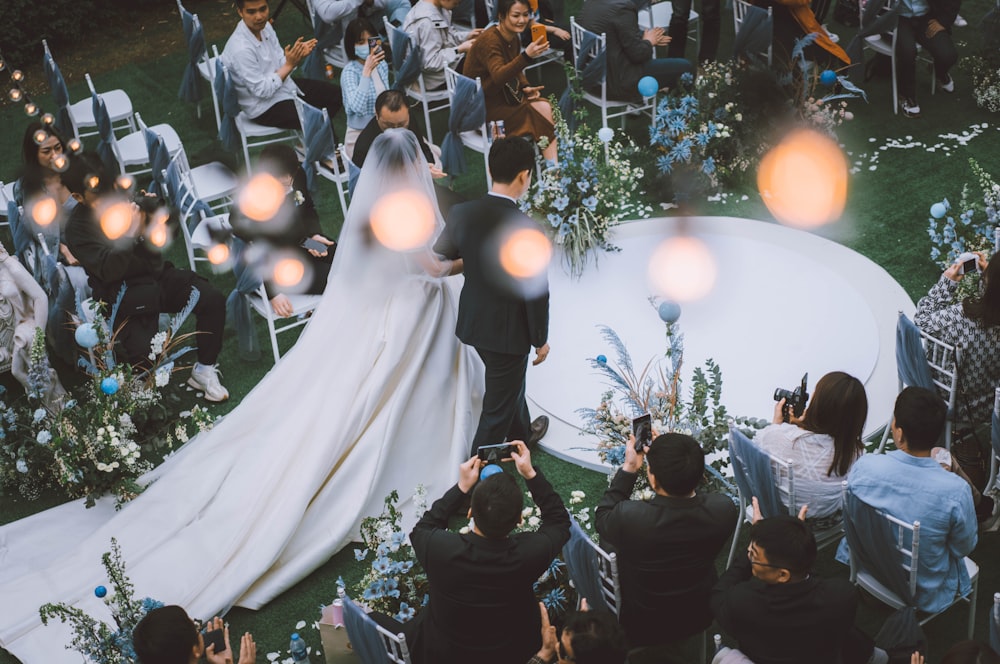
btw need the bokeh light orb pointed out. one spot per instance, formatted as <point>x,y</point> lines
<point>44,211</point>
<point>288,272</point>
<point>403,220</point>
<point>218,254</point>
<point>525,253</point>
<point>262,197</point>
<point>125,183</point>
<point>17,75</point>
<point>116,220</point>
<point>48,119</point>
<point>157,231</point>
<point>39,136</point>
<point>15,94</point>
<point>31,109</point>
<point>59,163</point>
<point>74,145</point>
<point>803,180</point>
<point>683,269</point>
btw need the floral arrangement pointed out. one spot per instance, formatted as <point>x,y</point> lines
<point>97,641</point>
<point>984,68</point>
<point>973,229</point>
<point>656,389</point>
<point>595,186</point>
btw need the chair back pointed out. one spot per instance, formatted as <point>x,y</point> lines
<point>871,536</point>
<point>911,357</point>
<point>60,94</point>
<point>107,146</point>
<point>593,570</point>
<point>995,424</point>
<point>229,105</point>
<point>239,314</point>
<point>943,360</point>
<point>407,56</point>
<point>754,27</point>
<point>590,61</point>
<point>468,113</point>
<point>180,190</point>
<point>328,36</point>
<point>190,90</point>
<point>754,474</point>
<point>372,643</point>
<point>877,17</point>
<point>318,138</point>
<point>158,154</point>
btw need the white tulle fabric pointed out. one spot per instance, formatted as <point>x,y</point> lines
<point>376,395</point>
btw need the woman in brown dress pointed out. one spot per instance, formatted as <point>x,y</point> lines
<point>496,59</point>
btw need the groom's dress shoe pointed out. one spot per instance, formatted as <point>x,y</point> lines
<point>538,429</point>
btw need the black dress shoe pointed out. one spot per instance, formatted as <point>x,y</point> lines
<point>538,429</point>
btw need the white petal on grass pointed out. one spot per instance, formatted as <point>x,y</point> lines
<point>300,624</point>
<point>271,656</point>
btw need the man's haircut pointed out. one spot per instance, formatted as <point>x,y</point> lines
<point>921,415</point>
<point>391,99</point>
<point>241,3</point>
<point>510,156</point>
<point>165,636</point>
<point>504,6</point>
<point>787,542</point>
<point>353,32</point>
<point>677,462</point>
<point>596,638</point>
<point>497,502</point>
<point>79,177</point>
<point>279,159</point>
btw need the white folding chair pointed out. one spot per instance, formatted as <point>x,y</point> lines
<point>740,9</point>
<point>200,229</point>
<point>332,169</point>
<point>302,307</point>
<point>886,45</point>
<point>130,150</point>
<point>477,140</point>
<point>430,100</point>
<point>609,108</point>
<point>658,15</point>
<point>336,55</point>
<point>991,485</point>
<point>364,631</point>
<point>82,112</point>
<point>6,195</point>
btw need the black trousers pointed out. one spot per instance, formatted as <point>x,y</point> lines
<point>912,30</point>
<point>505,412</point>
<point>174,288</point>
<point>315,93</point>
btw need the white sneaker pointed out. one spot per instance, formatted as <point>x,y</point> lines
<point>909,107</point>
<point>948,85</point>
<point>205,377</point>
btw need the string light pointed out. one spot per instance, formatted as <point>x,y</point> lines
<point>48,119</point>
<point>31,109</point>
<point>39,136</point>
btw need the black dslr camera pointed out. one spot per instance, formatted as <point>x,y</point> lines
<point>795,400</point>
<point>496,453</point>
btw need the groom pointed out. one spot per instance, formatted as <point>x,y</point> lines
<point>500,324</point>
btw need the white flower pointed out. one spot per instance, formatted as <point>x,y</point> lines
<point>156,344</point>
<point>162,377</point>
<point>534,522</point>
<point>102,466</point>
<point>114,464</point>
<point>39,415</point>
<point>22,467</point>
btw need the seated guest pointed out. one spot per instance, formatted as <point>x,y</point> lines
<point>261,71</point>
<point>927,23</point>
<point>441,44</point>
<point>168,636</point>
<point>591,637</point>
<point>666,547</point>
<point>820,445</point>
<point>365,76</point>
<point>302,225</point>
<point>973,325</point>
<point>630,50</point>
<point>482,607</point>
<point>909,484</point>
<point>778,611</point>
<point>343,11</point>
<point>496,58</point>
<point>154,286</point>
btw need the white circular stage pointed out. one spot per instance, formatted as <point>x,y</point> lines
<point>785,302</point>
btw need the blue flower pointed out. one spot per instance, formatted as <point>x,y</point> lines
<point>148,604</point>
<point>708,166</point>
<point>555,599</point>
<point>554,219</point>
<point>382,565</point>
<point>615,456</point>
<point>676,125</point>
<point>583,185</point>
<point>382,550</point>
<point>43,437</point>
<point>427,598</point>
<point>340,582</point>
<point>560,202</point>
<point>590,202</point>
<point>565,230</point>
<point>396,540</point>
<point>588,165</point>
<point>702,138</point>
<point>687,78</point>
<point>69,404</point>
<point>392,587</point>
<point>935,253</point>
<point>375,590</point>
<point>360,555</point>
<point>38,416</point>
<point>555,566</point>
<point>957,246</point>
<point>406,612</point>
<point>681,151</point>
<point>665,164</point>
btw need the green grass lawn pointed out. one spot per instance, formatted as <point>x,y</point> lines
<point>885,219</point>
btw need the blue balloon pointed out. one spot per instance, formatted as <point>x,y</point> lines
<point>109,385</point>
<point>828,77</point>
<point>648,86</point>
<point>100,591</point>
<point>938,210</point>
<point>602,359</point>
<point>489,470</point>
<point>669,311</point>
<point>86,335</point>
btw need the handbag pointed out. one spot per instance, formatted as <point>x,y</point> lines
<point>512,93</point>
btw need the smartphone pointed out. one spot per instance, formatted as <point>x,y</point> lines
<point>642,429</point>
<point>538,32</point>
<point>374,44</point>
<point>316,245</point>
<point>496,453</point>
<point>215,637</point>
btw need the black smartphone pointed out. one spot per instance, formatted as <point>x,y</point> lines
<point>642,429</point>
<point>496,453</point>
<point>215,637</point>
<point>374,44</point>
<point>316,245</point>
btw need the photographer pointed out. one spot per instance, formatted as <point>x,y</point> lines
<point>972,325</point>
<point>154,286</point>
<point>168,636</point>
<point>482,604</point>
<point>821,444</point>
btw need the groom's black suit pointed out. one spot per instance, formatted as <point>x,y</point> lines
<point>501,326</point>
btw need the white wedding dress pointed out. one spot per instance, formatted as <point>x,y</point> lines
<point>376,395</point>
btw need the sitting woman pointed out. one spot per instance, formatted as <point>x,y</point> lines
<point>497,60</point>
<point>364,77</point>
<point>821,445</point>
<point>972,325</point>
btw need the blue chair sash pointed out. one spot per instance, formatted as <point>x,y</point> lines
<point>104,147</point>
<point>179,191</point>
<point>911,359</point>
<point>753,474</point>
<point>590,73</point>
<point>159,159</point>
<point>238,310</point>
<point>19,231</point>
<point>327,36</point>
<point>60,95</point>
<point>407,59</point>
<point>229,107</point>
<point>318,138</point>
<point>365,639</point>
<point>755,33</point>
<point>190,90</point>
<point>581,563</point>
<point>468,112</point>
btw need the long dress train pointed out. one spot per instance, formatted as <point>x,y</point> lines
<point>376,395</point>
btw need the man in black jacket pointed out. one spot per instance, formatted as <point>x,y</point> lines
<point>154,286</point>
<point>666,547</point>
<point>927,23</point>
<point>482,605</point>
<point>500,323</point>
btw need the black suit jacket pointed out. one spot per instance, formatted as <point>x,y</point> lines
<point>482,606</point>
<point>372,131</point>
<point>491,316</point>
<point>666,550</point>
<point>785,623</point>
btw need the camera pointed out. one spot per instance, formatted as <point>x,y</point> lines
<point>496,453</point>
<point>970,263</point>
<point>795,400</point>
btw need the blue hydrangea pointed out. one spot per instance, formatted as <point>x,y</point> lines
<point>615,456</point>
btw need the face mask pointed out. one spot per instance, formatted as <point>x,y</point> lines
<point>361,51</point>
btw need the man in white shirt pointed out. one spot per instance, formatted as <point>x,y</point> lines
<point>429,22</point>
<point>261,70</point>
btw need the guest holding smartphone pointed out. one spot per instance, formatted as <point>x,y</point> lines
<point>365,76</point>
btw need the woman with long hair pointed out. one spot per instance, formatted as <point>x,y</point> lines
<point>971,324</point>
<point>821,445</point>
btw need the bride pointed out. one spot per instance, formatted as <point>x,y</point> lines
<point>377,395</point>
